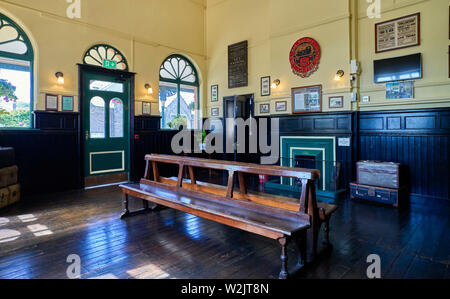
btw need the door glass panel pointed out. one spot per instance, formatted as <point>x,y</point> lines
<point>116,118</point>
<point>97,118</point>
<point>106,86</point>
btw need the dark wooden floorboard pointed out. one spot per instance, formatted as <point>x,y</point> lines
<point>412,243</point>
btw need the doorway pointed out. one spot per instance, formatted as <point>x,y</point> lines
<point>241,106</point>
<point>106,117</point>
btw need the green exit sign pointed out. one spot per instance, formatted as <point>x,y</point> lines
<point>109,64</point>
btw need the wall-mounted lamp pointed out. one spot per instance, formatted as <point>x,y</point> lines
<point>276,83</point>
<point>339,75</point>
<point>60,77</point>
<point>149,88</point>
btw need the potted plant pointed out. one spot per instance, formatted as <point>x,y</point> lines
<point>202,139</point>
<point>177,122</point>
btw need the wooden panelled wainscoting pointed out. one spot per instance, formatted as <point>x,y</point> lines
<point>419,139</point>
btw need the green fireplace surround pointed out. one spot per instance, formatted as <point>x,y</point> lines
<point>323,150</point>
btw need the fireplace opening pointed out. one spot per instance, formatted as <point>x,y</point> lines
<point>306,162</point>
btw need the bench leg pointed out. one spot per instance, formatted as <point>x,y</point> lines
<point>301,242</point>
<point>326,231</point>
<point>313,238</point>
<point>126,212</point>
<point>284,258</point>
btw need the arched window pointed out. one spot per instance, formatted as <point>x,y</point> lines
<point>106,56</point>
<point>16,75</point>
<point>178,93</point>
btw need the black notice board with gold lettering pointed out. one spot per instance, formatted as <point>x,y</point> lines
<point>238,65</point>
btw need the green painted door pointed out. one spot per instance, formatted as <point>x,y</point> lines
<point>106,124</point>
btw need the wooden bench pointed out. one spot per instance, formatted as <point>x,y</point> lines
<point>263,214</point>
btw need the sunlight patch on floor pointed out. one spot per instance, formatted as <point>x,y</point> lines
<point>4,221</point>
<point>148,272</point>
<point>27,218</point>
<point>39,230</point>
<point>8,235</point>
<point>106,276</point>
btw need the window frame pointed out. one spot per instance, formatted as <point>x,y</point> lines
<point>29,57</point>
<point>179,82</point>
<point>106,46</point>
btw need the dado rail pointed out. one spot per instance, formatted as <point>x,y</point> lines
<point>279,218</point>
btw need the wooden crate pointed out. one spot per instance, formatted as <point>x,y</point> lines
<point>8,176</point>
<point>14,194</point>
<point>381,174</point>
<point>4,197</point>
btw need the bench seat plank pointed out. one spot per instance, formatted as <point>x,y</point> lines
<point>241,214</point>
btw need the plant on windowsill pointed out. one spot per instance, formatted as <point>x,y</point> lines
<point>177,122</point>
<point>202,140</point>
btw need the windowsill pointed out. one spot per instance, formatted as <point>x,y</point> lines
<point>18,129</point>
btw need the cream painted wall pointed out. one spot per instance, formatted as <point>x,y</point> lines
<point>434,89</point>
<point>273,26</point>
<point>145,31</point>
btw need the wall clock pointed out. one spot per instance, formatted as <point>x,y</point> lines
<point>305,57</point>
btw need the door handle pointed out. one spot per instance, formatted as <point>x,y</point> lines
<point>87,135</point>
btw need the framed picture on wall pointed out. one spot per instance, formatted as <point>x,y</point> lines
<point>146,108</point>
<point>214,111</point>
<point>336,102</point>
<point>265,86</point>
<point>398,33</point>
<point>264,108</point>
<point>67,103</point>
<point>281,106</point>
<point>400,90</point>
<point>307,99</point>
<point>215,93</point>
<point>51,102</point>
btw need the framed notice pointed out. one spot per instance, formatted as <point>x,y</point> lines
<point>399,33</point>
<point>51,102</point>
<point>215,93</point>
<point>336,102</point>
<point>238,65</point>
<point>146,108</point>
<point>214,111</point>
<point>281,106</point>
<point>265,86</point>
<point>264,108</point>
<point>400,90</point>
<point>307,99</point>
<point>67,103</point>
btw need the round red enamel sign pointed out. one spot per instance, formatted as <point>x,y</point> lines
<point>305,57</point>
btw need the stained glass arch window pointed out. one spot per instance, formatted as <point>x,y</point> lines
<point>16,75</point>
<point>13,40</point>
<point>106,56</point>
<point>178,93</point>
<point>179,69</point>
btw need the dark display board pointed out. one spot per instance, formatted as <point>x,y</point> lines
<point>238,65</point>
